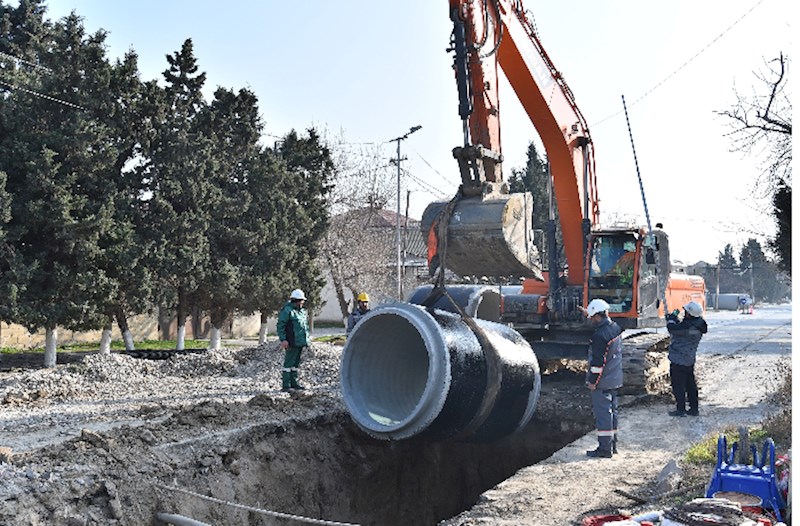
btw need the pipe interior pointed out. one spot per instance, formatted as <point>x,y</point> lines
<point>489,306</point>
<point>388,369</point>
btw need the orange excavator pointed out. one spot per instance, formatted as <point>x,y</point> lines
<point>485,231</point>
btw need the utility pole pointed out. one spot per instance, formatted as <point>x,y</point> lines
<point>399,261</point>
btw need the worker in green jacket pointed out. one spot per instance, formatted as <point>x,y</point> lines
<point>294,335</point>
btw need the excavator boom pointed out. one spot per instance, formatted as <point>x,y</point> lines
<point>489,36</point>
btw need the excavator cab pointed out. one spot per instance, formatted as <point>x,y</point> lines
<point>626,268</point>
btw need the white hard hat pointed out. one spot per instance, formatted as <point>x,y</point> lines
<point>297,294</point>
<point>596,306</point>
<point>694,309</point>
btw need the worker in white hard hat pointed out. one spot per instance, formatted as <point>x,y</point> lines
<point>362,308</point>
<point>293,333</point>
<point>604,376</point>
<point>686,335</point>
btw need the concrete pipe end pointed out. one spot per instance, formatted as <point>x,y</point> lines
<point>478,301</point>
<point>395,372</point>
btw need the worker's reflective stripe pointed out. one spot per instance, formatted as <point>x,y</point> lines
<point>288,369</point>
<point>596,370</point>
<point>602,433</point>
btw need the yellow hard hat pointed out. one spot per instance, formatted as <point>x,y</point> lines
<point>363,297</point>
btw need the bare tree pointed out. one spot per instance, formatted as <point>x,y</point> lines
<point>762,122</point>
<point>761,125</point>
<point>357,248</point>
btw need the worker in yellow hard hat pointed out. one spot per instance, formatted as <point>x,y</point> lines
<point>362,308</point>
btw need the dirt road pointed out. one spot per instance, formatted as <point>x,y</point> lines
<point>97,442</point>
<point>737,369</point>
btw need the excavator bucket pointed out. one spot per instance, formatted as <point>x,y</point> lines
<point>488,236</point>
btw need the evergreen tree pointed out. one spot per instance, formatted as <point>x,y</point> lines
<point>760,273</point>
<point>179,182</point>
<point>130,111</point>
<point>534,178</point>
<point>5,209</point>
<point>782,244</point>
<point>270,224</point>
<point>311,170</point>
<point>53,149</point>
<point>730,279</point>
<point>233,125</point>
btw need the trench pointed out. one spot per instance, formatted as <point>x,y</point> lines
<point>330,469</point>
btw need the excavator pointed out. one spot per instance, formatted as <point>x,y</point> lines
<point>486,232</point>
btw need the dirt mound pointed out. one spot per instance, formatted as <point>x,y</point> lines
<point>107,441</point>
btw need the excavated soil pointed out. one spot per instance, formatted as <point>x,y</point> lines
<point>116,440</point>
<point>111,439</point>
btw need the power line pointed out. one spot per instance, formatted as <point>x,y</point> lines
<point>426,186</point>
<point>432,168</point>
<point>682,66</point>
<point>40,95</point>
<point>22,61</point>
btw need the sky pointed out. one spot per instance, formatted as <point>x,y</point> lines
<point>367,71</point>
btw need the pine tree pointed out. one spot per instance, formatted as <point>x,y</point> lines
<point>269,223</point>
<point>730,279</point>
<point>311,169</point>
<point>762,275</point>
<point>233,125</point>
<point>53,150</point>
<point>534,178</point>
<point>129,112</point>
<point>782,244</point>
<point>179,181</point>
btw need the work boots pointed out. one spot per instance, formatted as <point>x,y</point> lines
<point>605,448</point>
<point>293,382</point>
<point>286,381</point>
<point>600,453</point>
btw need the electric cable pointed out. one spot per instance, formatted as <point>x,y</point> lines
<point>40,95</point>
<point>298,518</point>
<point>682,66</point>
<point>23,61</point>
<point>434,169</point>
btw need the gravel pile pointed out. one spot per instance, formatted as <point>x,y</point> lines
<point>105,390</point>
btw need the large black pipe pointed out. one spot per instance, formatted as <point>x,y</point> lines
<point>478,301</point>
<point>412,372</point>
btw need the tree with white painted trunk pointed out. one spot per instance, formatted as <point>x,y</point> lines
<point>266,220</point>
<point>54,152</point>
<point>179,192</point>
<point>234,126</point>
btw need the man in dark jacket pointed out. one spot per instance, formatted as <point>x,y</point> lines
<point>604,376</point>
<point>293,333</point>
<point>361,310</point>
<point>686,336</point>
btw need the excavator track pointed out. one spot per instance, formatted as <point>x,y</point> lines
<point>644,364</point>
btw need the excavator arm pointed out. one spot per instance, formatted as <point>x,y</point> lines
<point>489,35</point>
